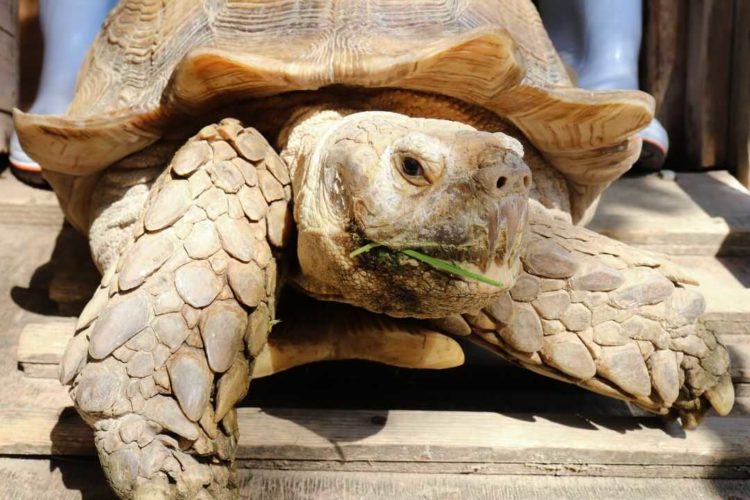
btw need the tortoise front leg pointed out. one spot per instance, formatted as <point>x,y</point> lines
<point>166,347</point>
<point>594,312</point>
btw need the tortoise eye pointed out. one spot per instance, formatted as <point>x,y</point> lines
<point>412,167</point>
<point>413,171</point>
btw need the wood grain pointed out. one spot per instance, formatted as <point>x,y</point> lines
<point>454,439</point>
<point>709,46</point>
<point>73,478</point>
<point>739,121</point>
<point>44,343</point>
<point>20,204</point>
<point>663,67</point>
<point>8,69</point>
<point>8,55</point>
<point>31,51</point>
<point>662,50</point>
<point>699,214</point>
<point>383,486</point>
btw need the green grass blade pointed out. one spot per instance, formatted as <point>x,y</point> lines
<point>364,249</point>
<point>449,267</point>
<point>440,264</point>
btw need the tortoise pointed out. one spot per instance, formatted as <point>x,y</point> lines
<point>428,163</point>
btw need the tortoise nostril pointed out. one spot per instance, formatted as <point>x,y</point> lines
<point>500,180</point>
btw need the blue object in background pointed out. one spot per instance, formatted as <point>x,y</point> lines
<point>601,41</point>
<point>68,29</point>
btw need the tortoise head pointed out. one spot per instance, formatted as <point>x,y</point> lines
<point>395,185</point>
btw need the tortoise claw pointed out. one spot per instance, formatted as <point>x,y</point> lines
<point>721,396</point>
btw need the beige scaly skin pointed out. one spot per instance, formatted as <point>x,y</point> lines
<point>594,312</point>
<point>165,348</point>
<point>168,344</point>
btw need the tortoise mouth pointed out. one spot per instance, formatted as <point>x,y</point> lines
<point>429,277</point>
<point>489,254</point>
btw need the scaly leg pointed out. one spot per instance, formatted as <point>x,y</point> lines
<point>594,312</point>
<point>166,347</point>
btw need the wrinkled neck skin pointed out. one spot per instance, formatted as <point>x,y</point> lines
<point>303,142</point>
<point>384,280</point>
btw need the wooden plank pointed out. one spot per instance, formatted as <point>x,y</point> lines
<point>21,204</point>
<point>9,66</point>
<point>44,342</point>
<point>740,357</point>
<point>32,51</point>
<point>739,128</point>
<point>32,215</point>
<point>75,478</point>
<point>9,17</point>
<point>453,439</point>
<point>45,432</point>
<point>317,485</point>
<point>703,214</point>
<point>709,44</point>
<point>70,478</point>
<point>663,67</point>
<point>41,346</point>
<point>6,129</point>
<point>8,55</point>
<point>662,46</point>
<point>525,469</point>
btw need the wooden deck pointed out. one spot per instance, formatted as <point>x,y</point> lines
<point>360,431</point>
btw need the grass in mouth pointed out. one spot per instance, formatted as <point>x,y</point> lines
<point>364,249</point>
<point>439,264</point>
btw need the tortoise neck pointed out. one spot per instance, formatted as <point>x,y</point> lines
<point>301,134</point>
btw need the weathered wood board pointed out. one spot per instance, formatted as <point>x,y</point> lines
<point>663,67</point>
<point>20,204</point>
<point>437,442</point>
<point>709,48</point>
<point>74,478</point>
<point>8,68</point>
<point>739,119</point>
<point>705,214</point>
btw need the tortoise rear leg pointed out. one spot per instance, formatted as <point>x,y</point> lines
<point>166,346</point>
<point>622,322</point>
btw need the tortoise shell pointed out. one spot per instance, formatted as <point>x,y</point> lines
<point>156,63</point>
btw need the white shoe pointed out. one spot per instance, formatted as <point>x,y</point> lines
<point>18,157</point>
<point>655,148</point>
